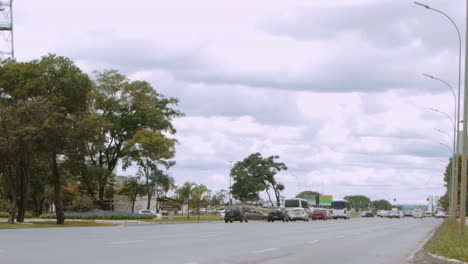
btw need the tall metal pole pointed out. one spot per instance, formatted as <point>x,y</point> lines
<point>230,177</point>
<point>12,33</point>
<point>454,172</point>
<point>464,140</point>
<point>455,180</point>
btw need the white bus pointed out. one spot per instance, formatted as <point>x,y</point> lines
<point>298,209</point>
<point>340,209</point>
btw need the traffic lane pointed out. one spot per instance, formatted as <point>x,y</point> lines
<point>393,243</point>
<point>183,243</point>
<point>205,243</point>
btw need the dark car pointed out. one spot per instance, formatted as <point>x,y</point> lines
<point>407,213</point>
<point>278,213</point>
<point>367,214</point>
<point>235,213</point>
<point>255,215</point>
<point>319,214</point>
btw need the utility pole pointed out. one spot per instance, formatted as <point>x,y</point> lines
<point>464,139</point>
<point>230,185</point>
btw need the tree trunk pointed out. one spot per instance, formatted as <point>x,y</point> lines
<point>101,197</point>
<point>12,210</point>
<point>277,195</point>
<point>269,197</point>
<point>133,202</point>
<point>57,191</point>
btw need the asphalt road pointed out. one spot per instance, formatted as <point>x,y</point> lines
<point>334,241</point>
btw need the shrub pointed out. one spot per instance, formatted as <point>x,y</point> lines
<point>5,215</point>
<point>98,215</point>
<point>82,204</point>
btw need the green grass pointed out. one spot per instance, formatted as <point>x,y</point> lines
<point>446,242</point>
<point>50,224</point>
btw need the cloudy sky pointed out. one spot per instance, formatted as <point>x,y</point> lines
<point>335,88</point>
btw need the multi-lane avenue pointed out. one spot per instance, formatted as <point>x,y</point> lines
<point>334,241</point>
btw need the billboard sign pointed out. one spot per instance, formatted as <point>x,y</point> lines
<point>325,200</point>
<point>311,199</point>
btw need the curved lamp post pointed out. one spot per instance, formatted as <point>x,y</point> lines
<point>455,180</point>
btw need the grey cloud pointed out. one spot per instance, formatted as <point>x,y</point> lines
<point>387,24</point>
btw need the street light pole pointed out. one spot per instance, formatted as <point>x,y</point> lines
<point>230,178</point>
<point>454,170</point>
<point>455,180</point>
<point>464,140</point>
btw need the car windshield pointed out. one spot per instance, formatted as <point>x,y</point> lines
<point>292,203</point>
<point>338,205</point>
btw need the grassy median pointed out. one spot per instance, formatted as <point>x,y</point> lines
<point>50,224</point>
<point>447,243</point>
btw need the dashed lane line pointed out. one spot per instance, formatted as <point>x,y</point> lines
<point>265,250</point>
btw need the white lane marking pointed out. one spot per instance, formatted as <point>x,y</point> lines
<point>339,237</point>
<point>265,250</point>
<point>313,242</point>
<point>205,236</point>
<point>126,242</point>
<point>193,262</point>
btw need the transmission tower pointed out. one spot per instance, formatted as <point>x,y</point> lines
<point>7,49</point>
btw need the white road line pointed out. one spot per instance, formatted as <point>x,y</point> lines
<point>193,262</point>
<point>339,237</point>
<point>265,250</point>
<point>313,242</point>
<point>126,242</point>
<point>204,236</point>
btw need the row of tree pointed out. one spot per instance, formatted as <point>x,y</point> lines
<point>60,126</point>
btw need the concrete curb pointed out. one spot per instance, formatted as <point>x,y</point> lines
<point>420,247</point>
<point>445,259</point>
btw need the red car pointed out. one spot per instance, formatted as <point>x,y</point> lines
<point>318,214</point>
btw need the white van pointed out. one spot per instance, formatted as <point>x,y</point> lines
<point>417,213</point>
<point>298,209</point>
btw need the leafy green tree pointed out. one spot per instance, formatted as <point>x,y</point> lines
<point>131,188</point>
<point>18,132</point>
<point>358,202</point>
<point>184,194</point>
<point>255,174</point>
<point>163,184</point>
<point>57,89</point>
<point>124,116</point>
<point>381,205</point>
<point>200,197</point>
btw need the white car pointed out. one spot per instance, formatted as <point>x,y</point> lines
<point>441,214</point>
<point>298,214</point>
<point>382,213</point>
<point>150,212</point>
<point>222,213</point>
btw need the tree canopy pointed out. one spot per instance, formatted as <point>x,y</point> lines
<point>255,174</point>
